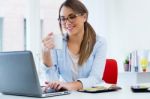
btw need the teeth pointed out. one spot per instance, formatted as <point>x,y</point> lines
<point>70,28</point>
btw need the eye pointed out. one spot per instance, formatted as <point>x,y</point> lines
<point>62,18</point>
<point>72,16</point>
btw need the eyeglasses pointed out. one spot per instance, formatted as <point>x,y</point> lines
<point>71,18</point>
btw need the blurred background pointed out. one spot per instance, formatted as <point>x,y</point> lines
<point>124,24</point>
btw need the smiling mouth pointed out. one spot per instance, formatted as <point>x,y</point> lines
<point>70,28</point>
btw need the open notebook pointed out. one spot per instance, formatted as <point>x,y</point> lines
<point>101,88</point>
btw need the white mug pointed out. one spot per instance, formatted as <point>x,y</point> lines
<point>58,41</point>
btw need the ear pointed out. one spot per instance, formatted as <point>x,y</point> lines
<point>85,17</point>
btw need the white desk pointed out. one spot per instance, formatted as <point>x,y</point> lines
<point>132,78</point>
<point>125,93</point>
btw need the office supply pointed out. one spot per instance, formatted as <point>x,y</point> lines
<point>18,75</point>
<point>140,88</point>
<point>100,89</point>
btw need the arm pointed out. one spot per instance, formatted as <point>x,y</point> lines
<point>51,72</point>
<point>48,44</point>
<point>49,65</point>
<point>47,59</point>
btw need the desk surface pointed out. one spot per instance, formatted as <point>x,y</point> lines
<point>125,93</point>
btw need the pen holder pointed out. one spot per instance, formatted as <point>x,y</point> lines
<point>126,67</point>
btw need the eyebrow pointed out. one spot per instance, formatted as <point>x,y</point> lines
<point>68,15</point>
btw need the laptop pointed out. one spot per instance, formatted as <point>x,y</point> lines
<point>18,75</point>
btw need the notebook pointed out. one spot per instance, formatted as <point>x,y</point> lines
<point>140,88</point>
<point>18,75</point>
<point>100,89</point>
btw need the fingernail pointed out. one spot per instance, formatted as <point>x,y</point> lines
<point>46,82</point>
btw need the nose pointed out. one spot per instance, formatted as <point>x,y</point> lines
<point>68,22</point>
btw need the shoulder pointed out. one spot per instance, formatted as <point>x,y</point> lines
<point>100,41</point>
<point>100,45</point>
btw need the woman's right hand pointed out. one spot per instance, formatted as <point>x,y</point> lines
<point>48,42</point>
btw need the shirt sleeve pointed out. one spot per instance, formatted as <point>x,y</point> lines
<point>51,73</point>
<point>96,73</point>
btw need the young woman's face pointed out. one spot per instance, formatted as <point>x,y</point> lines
<point>73,23</point>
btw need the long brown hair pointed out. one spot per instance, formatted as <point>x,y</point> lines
<point>89,37</point>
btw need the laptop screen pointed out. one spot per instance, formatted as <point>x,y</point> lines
<point>18,73</point>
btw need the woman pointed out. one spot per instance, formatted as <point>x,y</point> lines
<point>81,62</point>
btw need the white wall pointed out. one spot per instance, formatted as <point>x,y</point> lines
<point>124,23</point>
<point>127,25</point>
<point>12,12</point>
<point>12,35</point>
<point>97,15</point>
<point>49,12</point>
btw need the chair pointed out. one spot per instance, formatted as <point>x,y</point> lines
<point>110,74</point>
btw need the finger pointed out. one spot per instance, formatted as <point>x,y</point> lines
<point>51,33</point>
<point>48,87</point>
<point>59,87</point>
<point>53,85</point>
<point>49,44</point>
<point>56,85</point>
<point>49,36</point>
<point>46,82</point>
<point>49,41</point>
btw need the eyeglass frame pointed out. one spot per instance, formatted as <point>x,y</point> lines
<point>70,20</point>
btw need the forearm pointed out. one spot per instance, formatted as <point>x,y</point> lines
<point>47,60</point>
<point>77,85</point>
<point>90,81</point>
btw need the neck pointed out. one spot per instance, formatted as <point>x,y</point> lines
<point>76,39</point>
<point>74,42</point>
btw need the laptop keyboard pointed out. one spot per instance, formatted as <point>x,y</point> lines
<point>52,92</point>
<point>47,91</point>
